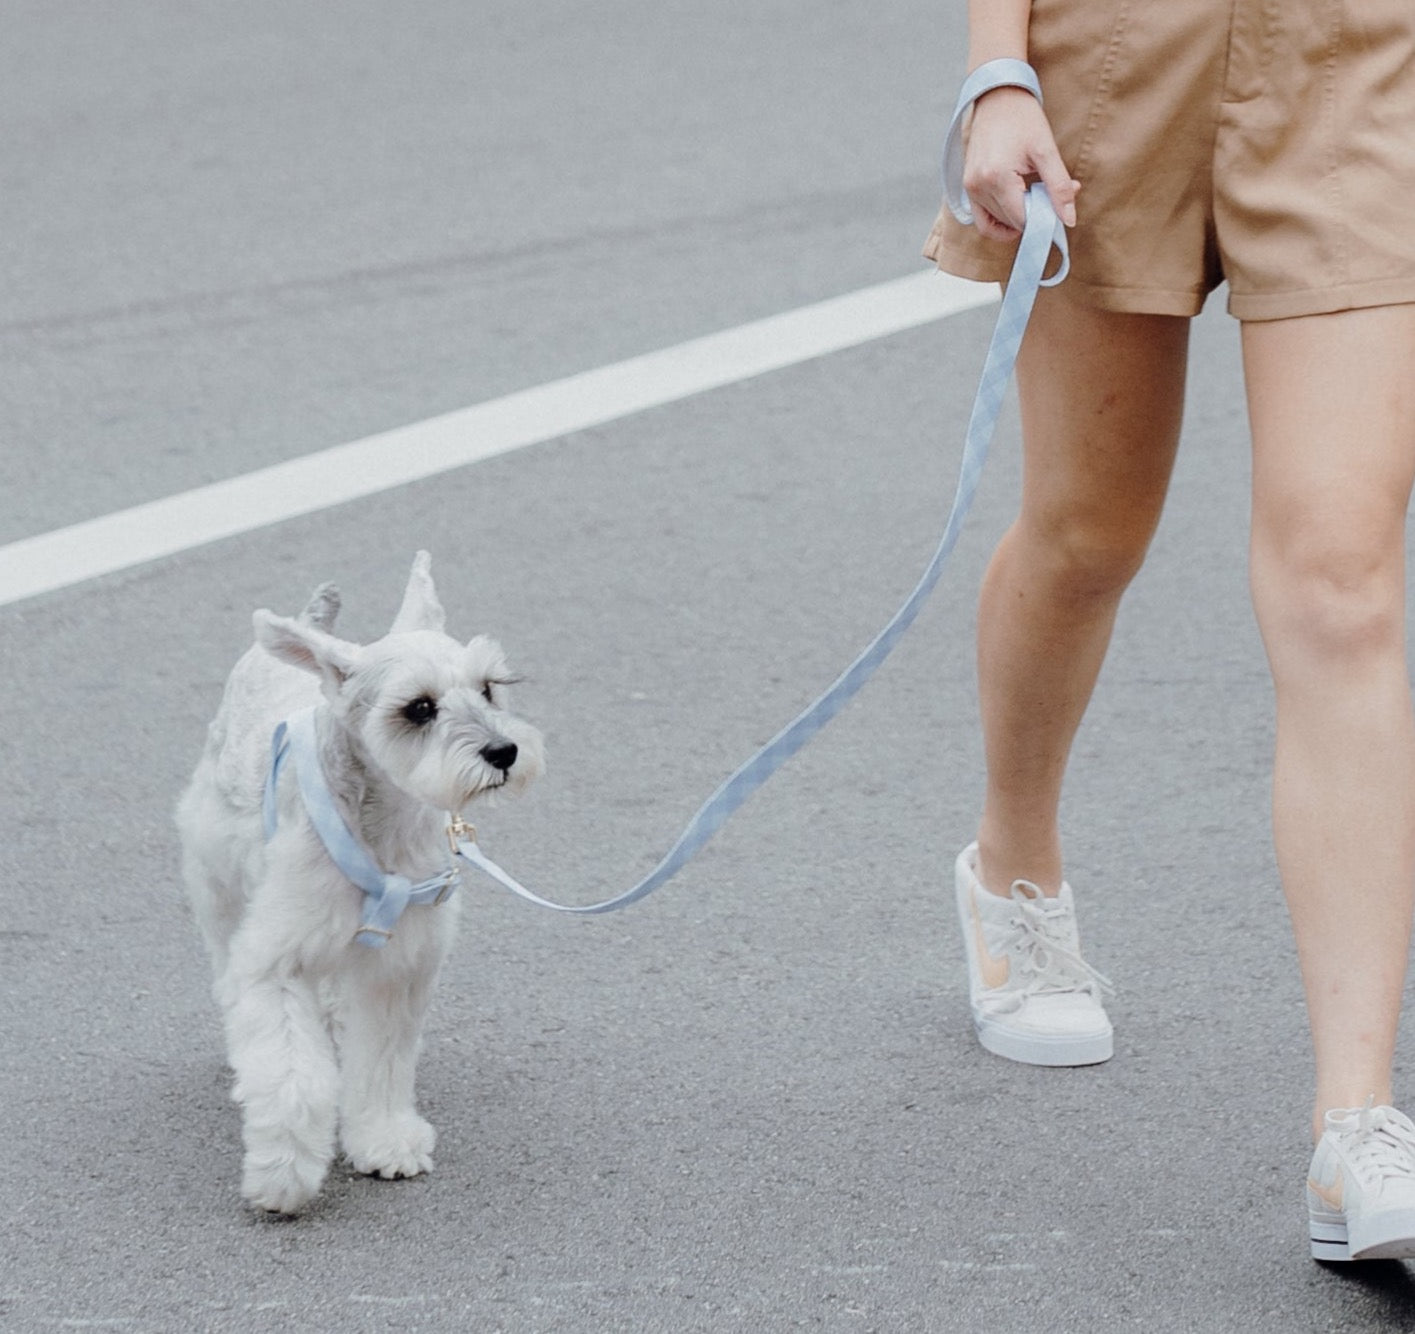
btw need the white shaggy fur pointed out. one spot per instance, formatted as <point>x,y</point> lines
<point>322,1032</point>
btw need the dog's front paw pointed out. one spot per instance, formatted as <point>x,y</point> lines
<point>400,1146</point>
<point>281,1186</point>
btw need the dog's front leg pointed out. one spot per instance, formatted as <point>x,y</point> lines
<point>287,1078</point>
<point>383,1012</point>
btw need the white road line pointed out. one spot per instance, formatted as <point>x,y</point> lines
<point>67,556</point>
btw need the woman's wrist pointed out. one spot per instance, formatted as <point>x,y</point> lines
<point>1003,72</point>
<point>1007,72</point>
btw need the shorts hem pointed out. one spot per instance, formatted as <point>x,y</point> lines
<point>964,264</point>
<point>1258,306</point>
<point>1140,300</point>
<point>1122,300</point>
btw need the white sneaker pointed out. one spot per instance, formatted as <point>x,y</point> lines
<point>1361,1188</point>
<point>1034,998</point>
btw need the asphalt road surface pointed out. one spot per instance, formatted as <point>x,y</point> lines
<point>232,235</point>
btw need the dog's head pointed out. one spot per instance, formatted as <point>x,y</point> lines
<point>432,713</point>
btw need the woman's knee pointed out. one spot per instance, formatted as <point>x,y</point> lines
<point>1329,594</point>
<point>1087,556</point>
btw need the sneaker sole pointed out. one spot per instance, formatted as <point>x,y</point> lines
<point>1041,1049</point>
<point>1387,1237</point>
<point>1328,1235</point>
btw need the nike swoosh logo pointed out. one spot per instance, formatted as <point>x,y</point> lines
<point>995,971</point>
<point>1331,1196</point>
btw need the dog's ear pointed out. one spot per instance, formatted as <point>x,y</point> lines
<point>420,610</point>
<point>303,645</point>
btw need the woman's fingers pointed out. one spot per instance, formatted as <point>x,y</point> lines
<point>1059,183</point>
<point>1009,143</point>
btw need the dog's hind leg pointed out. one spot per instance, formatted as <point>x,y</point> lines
<point>287,1078</point>
<point>383,1013</point>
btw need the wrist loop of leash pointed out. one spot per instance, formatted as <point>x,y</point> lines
<point>1043,231</point>
<point>1005,73</point>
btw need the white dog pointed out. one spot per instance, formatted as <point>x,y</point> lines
<point>324,985</point>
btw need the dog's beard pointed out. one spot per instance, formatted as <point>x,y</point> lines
<point>460,776</point>
<point>477,777</point>
<point>494,782</point>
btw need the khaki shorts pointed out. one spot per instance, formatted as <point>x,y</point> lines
<point>1267,142</point>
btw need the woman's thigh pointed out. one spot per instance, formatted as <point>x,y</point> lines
<point>1331,401</point>
<point>1102,397</point>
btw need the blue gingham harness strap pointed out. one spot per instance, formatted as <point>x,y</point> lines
<point>385,894</point>
<point>1042,232</point>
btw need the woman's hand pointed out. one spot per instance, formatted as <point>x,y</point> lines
<point>1009,144</point>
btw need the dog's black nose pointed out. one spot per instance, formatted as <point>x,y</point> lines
<point>500,755</point>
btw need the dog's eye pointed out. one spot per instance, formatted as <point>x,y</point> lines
<point>420,711</point>
<point>486,692</point>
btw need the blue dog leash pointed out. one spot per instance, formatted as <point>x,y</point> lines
<point>387,895</point>
<point>1043,231</point>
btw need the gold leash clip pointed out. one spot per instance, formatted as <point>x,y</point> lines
<point>459,831</point>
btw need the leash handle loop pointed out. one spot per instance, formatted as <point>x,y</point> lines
<point>1004,73</point>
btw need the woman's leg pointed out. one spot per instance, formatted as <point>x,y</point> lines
<point>1102,397</point>
<point>1332,404</point>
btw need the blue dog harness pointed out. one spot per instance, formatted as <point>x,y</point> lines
<point>387,895</point>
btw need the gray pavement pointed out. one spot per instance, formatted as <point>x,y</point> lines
<point>236,234</point>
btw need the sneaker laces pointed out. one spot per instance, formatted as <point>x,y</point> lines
<point>1381,1147</point>
<point>1044,946</point>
